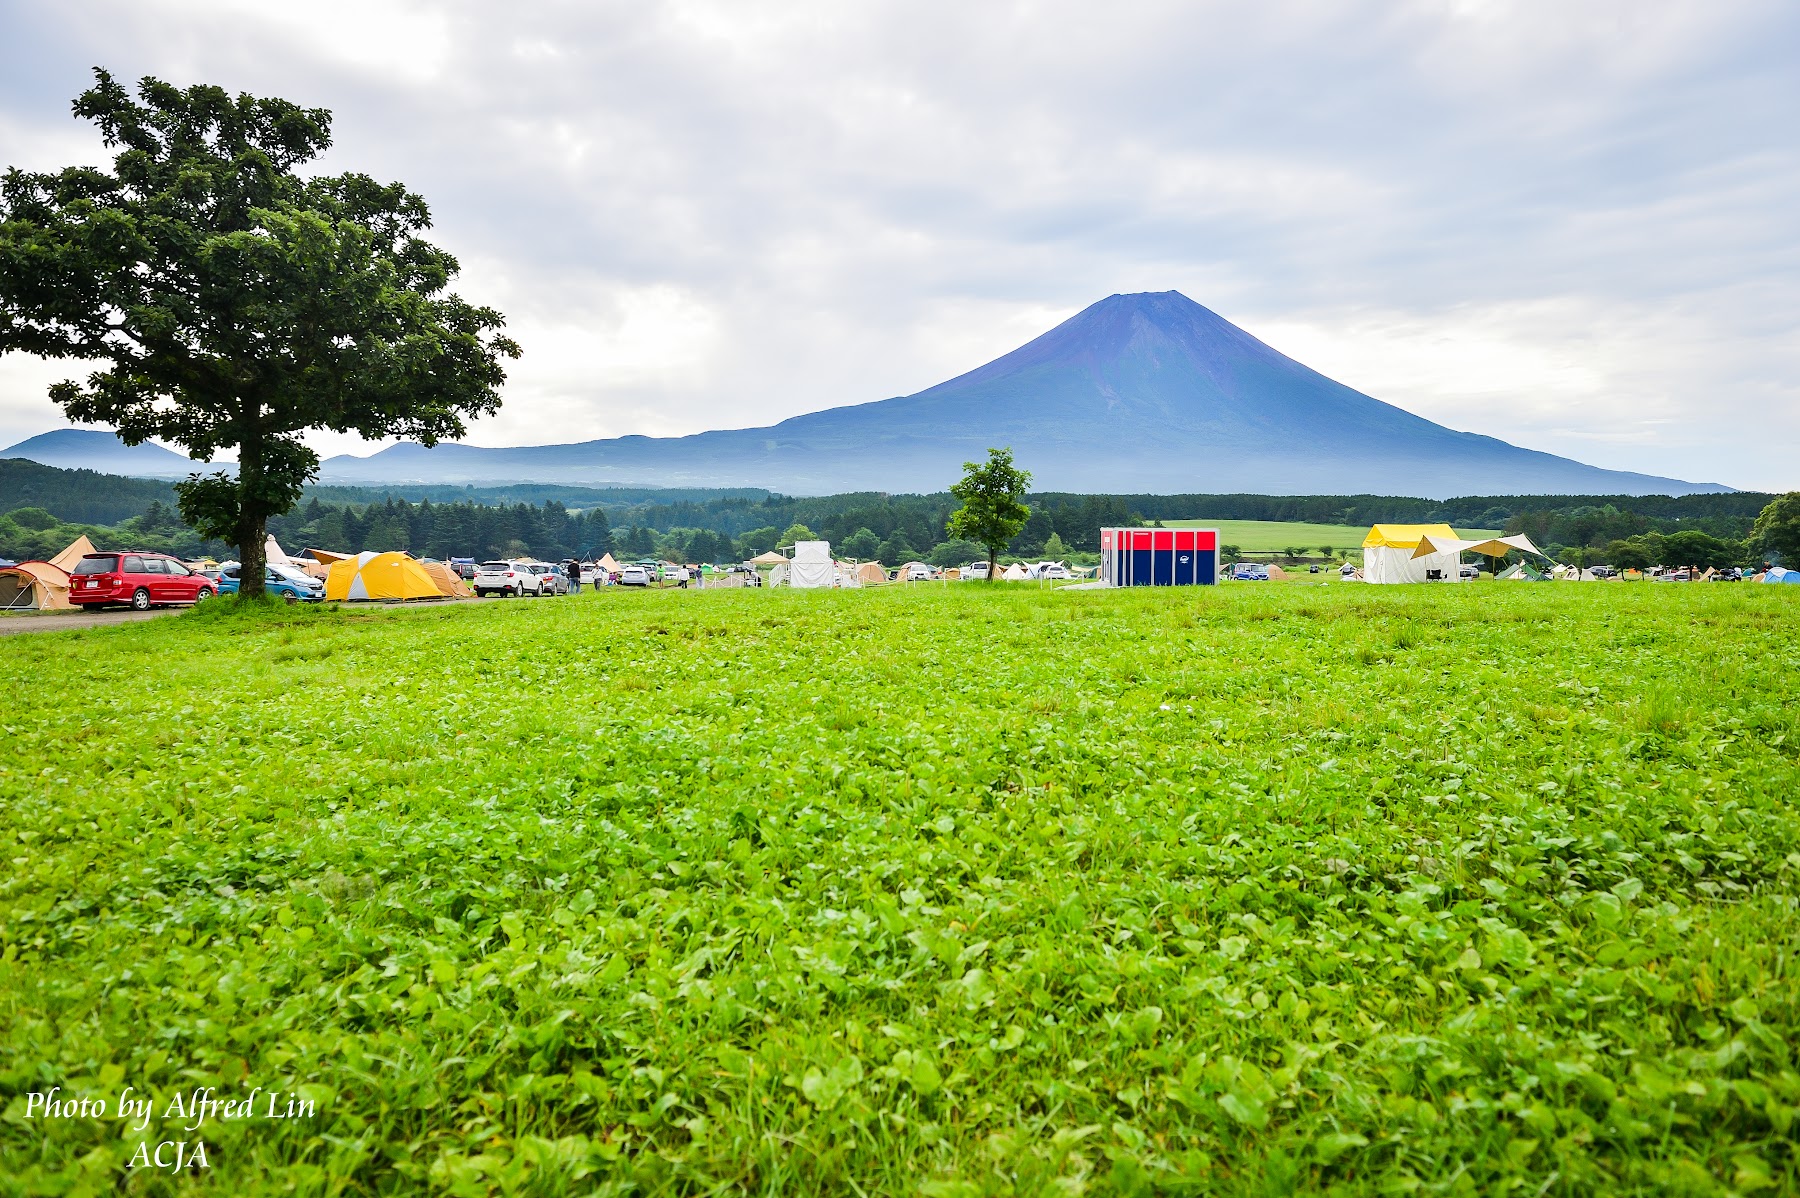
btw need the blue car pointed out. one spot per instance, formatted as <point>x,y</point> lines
<point>285,581</point>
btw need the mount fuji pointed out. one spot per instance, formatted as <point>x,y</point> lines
<point>1143,393</point>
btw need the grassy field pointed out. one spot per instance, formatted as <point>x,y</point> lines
<point>936,890</point>
<point>1264,536</point>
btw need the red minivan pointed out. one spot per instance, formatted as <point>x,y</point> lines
<point>143,580</point>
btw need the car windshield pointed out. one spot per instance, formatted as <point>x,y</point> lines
<point>97,563</point>
<point>290,574</point>
<point>493,567</point>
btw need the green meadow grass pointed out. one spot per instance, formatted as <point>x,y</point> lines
<point>1272,536</point>
<point>934,890</point>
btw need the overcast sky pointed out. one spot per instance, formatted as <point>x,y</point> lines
<point>1572,225</point>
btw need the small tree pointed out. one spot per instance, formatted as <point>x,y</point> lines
<point>1777,529</point>
<point>993,504</point>
<point>238,303</point>
<point>863,545</point>
<point>795,532</point>
<point>1054,549</point>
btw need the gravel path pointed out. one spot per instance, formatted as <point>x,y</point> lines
<point>63,621</point>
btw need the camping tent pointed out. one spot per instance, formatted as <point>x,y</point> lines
<point>1395,553</point>
<point>65,561</point>
<point>870,572</point>
<point>1522,573</point>
<point>771,558</point>
<point>1016,573</point>
<point>379,576</point>
<point>276,555</point>
<point>609,563</point>
<point>812,565</point>
<point>1775,574</point>
<point>34,586</point>
<point>448,584</point>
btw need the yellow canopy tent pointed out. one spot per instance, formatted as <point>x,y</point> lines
<point>379,576</point>
<point>1390,554</point>
<point>1492,547</point>
<point>65,561</point>
<point>34,586</point>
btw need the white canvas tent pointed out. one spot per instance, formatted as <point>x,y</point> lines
<point>1395,553</point>
<point>276,555</point>
<point>812,565</point>
<point>1016,573</point>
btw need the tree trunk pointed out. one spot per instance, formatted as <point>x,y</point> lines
<point>253,555</point>
<point>994,562</point>
<point>252,525</point>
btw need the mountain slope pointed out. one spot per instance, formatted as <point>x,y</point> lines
<point>1137,393</point>
<point>91,449</point>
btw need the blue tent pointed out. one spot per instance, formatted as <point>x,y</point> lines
<point>1777,574</point>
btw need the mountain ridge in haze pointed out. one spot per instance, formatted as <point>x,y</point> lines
<point>1138,393</point>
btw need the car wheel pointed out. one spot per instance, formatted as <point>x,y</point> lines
<point>289,596</point>
<point>203,594</point>
<point>140,600</point>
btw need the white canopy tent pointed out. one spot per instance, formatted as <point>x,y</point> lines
<point>812,565</point>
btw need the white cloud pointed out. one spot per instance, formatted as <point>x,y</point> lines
<point>1579,225</point>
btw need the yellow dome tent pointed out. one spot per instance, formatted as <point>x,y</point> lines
<point>379,576</point>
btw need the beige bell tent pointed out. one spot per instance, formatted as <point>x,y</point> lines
<point>871,572</point>
<point>448,584</point>
<point>1016,573</point>
<point>379,576</point>
<point>34,586</point>
<point>78,548</point>
<point>607,563</point>
<point>275,554</point>
<point>771,558</point>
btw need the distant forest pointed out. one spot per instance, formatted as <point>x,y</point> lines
<point>42,508</point>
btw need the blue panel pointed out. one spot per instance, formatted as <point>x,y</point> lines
<point>1164,564</point>
<point>1140,567</point>
<point>1184,566</point>
<point>1206,567</point>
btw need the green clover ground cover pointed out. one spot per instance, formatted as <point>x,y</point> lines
<point>933,890</point>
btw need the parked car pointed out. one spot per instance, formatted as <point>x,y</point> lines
<point>1468,571</point>
<point>1051,571</point>
<point>505,578</point>
<point>919,572</point>
<point>1249,572</point>
<point>285,581</point>
<point>634,576</point>
<point>1604,572</point>
<point>975,570</point>
<point>551,579</point>
<point>143,580</point>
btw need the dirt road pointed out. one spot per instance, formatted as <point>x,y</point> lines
<point>63,621</point>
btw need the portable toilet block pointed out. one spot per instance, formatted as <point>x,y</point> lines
<point>1159,557</point>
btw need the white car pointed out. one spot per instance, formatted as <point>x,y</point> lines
<point>920,572</point>
<point>974,570</point>
<point>1050,570</point>
<point>634,576</point>
<point>504,578</point>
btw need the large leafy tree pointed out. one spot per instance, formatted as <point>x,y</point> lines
<point>993,504</point>
<point>236,302</point>
<point>1777,529</point>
